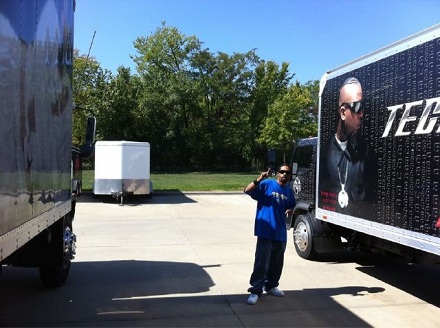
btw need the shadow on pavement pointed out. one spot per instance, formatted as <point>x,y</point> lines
<point>144,293</point>
<point>419,280</point>
<point>171,197</point>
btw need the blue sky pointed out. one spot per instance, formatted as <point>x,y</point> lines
<point>312,35</point>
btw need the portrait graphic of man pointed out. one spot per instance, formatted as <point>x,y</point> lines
<point>348,173</point>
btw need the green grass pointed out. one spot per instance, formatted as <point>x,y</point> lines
<point>195,181</point>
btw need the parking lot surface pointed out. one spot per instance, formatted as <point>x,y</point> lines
<point>184,259</point>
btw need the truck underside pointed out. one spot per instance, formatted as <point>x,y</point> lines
<point>313,238</point>
<point>51,251</point>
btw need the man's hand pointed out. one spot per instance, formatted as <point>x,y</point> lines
<point>254,184</point>
<point>265,175</point>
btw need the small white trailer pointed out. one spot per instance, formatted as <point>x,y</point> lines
<point>122,168</point>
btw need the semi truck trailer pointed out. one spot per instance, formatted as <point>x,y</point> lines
<point>370,180</point>
<point>40,176</point>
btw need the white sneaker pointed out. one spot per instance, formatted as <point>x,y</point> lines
<point>275,292</point>
<point>253,299</point>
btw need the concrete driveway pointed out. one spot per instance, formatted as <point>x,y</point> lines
<point>185,259</point>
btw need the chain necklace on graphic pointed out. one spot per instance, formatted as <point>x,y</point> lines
<point>343,196</point>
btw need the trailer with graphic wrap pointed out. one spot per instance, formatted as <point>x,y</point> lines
<point>371,179</point>
<point>40,176</point>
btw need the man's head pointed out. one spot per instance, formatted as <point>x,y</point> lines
<point>350,109</point>
<point>284,174</point>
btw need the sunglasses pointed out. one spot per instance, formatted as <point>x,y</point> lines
<point>284,172</point>
<point>355,106</point>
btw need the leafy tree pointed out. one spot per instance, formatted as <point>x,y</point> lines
<point>226,109</point>
<point>313,87</point>
<point>195,104</point>
<point>271,82</point>
<point>170,98</point>
<point>198,110</point>
<point>89,89</point>
<point>289,118</point>
<point>121,103</point>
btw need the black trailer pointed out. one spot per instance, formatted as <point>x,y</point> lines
<point>376,184</point>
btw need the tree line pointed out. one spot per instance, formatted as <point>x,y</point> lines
<point>200,111</point>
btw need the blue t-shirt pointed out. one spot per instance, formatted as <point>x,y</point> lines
<point>272,202</point>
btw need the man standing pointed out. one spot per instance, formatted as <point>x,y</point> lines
<point>275,199</point>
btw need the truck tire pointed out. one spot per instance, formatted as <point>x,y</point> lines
<point>62,248</point>
<point>303,237</point>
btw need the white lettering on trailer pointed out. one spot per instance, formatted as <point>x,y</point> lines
<point>425,126</point>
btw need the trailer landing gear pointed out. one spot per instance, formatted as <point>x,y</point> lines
<point>119,196</point>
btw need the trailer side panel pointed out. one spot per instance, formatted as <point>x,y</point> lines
<point>36,51</point>
<point>401,127</point>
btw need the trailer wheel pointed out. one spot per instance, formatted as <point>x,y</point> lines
<point>303,237</point>
<point>62,250</point>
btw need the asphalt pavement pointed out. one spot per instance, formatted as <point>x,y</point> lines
<point>184,259</point>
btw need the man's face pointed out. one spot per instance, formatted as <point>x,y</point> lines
<point>350,95</point>
<point>284,174</point>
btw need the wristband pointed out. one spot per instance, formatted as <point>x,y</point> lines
<point>256,183</point>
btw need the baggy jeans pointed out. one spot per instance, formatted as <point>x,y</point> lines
<point>268,265</point>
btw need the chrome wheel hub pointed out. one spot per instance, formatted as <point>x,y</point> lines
<point>301,236</point>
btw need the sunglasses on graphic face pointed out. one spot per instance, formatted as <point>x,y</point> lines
<point>284,172</point>
<point>355,106</point>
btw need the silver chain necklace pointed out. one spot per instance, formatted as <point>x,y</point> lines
<point>343,196</point>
